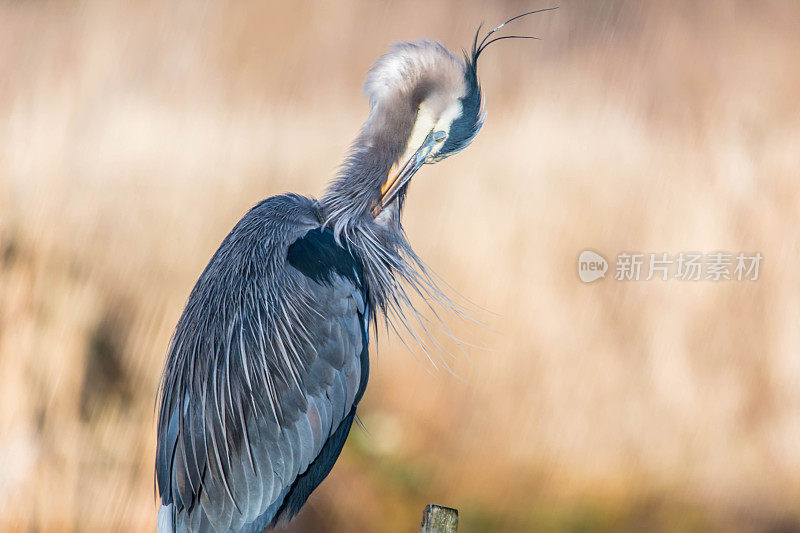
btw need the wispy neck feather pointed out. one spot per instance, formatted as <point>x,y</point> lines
<point>396,277</point>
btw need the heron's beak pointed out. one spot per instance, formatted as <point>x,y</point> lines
<point>401,174</point>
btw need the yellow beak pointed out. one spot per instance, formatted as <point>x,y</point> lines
<point>401,172</point>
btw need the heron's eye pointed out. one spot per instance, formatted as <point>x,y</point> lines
<point>439,136</point>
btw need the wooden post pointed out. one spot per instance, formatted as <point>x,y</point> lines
<point>438,519</point>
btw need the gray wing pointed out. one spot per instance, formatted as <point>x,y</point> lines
<point>266,368</point>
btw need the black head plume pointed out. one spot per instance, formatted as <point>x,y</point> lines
<point>464,129</point>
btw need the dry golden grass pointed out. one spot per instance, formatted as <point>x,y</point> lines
<point>132,137</point>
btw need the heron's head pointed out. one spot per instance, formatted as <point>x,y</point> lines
<point>425,105</point>
<point>433,100</point>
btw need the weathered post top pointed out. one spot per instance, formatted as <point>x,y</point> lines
<point>438,519</point>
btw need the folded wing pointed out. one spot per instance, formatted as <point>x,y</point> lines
<point>265,370</point>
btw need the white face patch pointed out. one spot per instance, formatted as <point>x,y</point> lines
<point>426,123</point>
<point>422,127</point>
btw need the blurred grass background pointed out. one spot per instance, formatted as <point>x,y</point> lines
<point>134,135</point>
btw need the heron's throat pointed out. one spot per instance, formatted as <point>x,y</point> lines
<point>364,178</point>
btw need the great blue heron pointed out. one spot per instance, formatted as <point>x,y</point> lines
<point>270,357</point>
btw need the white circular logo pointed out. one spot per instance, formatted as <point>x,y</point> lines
<point>591,266</point>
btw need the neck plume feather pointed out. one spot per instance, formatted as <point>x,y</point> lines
<point>396,278</point>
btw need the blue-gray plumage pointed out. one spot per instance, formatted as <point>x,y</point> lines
<point>270,357</point>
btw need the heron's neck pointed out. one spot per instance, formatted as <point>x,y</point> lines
<point>350,197</point>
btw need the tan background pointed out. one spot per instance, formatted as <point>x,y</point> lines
<point>134,135</point>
